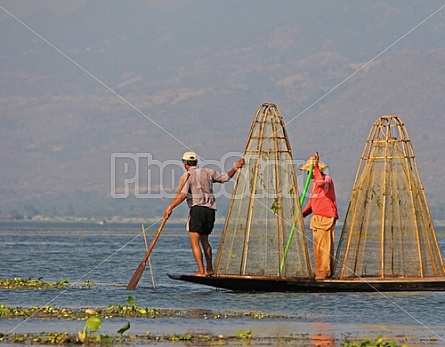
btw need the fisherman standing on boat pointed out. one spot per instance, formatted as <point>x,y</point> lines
<point>201,200</point>
<point>322,204</point>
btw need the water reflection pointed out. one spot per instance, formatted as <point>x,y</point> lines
<point>323,334</point>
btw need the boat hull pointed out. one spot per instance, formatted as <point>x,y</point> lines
<point>310,285</point>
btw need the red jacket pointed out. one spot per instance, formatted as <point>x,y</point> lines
<point>322,199</point>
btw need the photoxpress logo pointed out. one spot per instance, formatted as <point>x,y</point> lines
<point>143,177</point>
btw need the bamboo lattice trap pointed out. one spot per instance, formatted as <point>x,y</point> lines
<point>388,231</point>
<point>264,232</point>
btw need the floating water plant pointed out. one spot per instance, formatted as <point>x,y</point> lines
<point>379,342</point>
<point>123,329</point>
<point>92,324</point>
<point>244,335</point>
<point>17,283</point>
<point>55,338</point>
<point>245,338</point>
<point>185,337</point>
<point>36,312</point>
<point>20,283</point>
<point>131,309</point>
<point>87,285</point>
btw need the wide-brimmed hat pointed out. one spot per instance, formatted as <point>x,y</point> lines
<point>307,165</point>
<point>190,156</point>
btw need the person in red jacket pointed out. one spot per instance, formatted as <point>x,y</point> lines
<point>323,207</point>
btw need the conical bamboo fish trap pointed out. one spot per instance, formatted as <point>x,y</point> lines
<point>388,232</point>
<point>264,232</point>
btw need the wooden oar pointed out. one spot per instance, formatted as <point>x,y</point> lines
<point>140,269</point>
<point>286,249</point>
<point>149,261</point>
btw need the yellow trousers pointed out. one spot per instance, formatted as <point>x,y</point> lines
<point>323,244</point>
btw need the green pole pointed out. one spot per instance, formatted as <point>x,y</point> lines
<point>286,249</point>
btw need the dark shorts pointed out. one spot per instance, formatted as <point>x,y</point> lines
<point>201,220</point>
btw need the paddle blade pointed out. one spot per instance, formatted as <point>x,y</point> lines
<point>138,273</point>
<point>137,276</point>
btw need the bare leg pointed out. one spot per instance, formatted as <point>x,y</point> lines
<point>207,253</point>
<point>197,253</point>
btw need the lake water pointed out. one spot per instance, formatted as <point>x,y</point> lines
<point>109,254</point>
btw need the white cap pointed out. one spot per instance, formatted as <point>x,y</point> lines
<point>189,156</point>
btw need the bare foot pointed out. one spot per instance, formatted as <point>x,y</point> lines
<point>199,274</point>
<point>209,273</point>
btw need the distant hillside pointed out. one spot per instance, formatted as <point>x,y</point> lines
<point>165,79</point>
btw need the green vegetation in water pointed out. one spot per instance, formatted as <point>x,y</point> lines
<point>379,342</point>
<point>60,339</point>
<point>241,338</point>
<point>244,335</point>
<point>20,283</point>
<point>84,337</point>
<point>92,324</point>
<point>37,312</point>
<point>129,310</point>
<point>123,329</point>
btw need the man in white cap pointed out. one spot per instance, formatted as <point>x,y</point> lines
<point>198,190</point>
<point>323,206</point>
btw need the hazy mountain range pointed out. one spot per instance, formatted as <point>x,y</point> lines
<point>83,82</point>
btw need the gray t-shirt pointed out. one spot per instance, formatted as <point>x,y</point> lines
<point>199,187</point>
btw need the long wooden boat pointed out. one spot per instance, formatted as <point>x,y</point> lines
<point>306,285</point>
<point>387,244</point>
